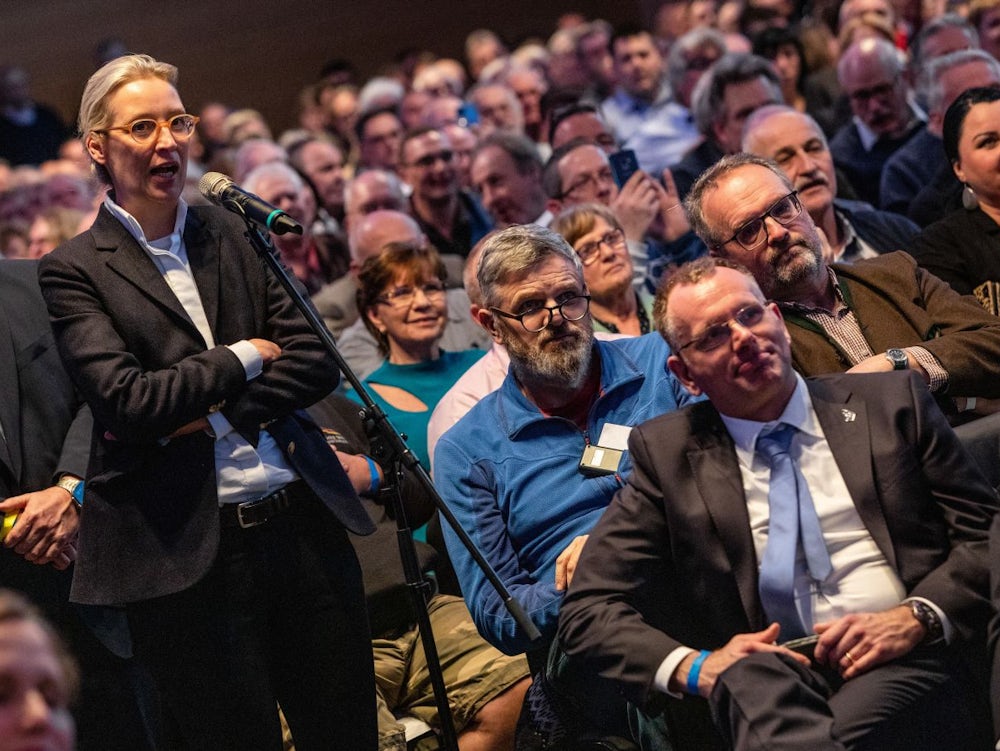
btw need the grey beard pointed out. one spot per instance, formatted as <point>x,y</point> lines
<point>566,367</point>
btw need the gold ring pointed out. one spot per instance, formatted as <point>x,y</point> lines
<point>849,656</point>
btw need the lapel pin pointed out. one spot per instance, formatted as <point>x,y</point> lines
<point>848,415</point>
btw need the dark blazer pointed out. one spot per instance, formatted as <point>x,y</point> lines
<point>46,423</point>
<point>898,304</point>
<point>672,561</point>
<point>150,525</point>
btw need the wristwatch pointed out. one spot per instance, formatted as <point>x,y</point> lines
<point>73,486</point>
<point>929,619</point>
<point>898,358</point>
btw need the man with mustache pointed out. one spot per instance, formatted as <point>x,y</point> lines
<point>879,314</point>
<point>871,75</point>
<point>852,229</point>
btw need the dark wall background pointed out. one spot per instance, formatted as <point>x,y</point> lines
<point>259,53</point>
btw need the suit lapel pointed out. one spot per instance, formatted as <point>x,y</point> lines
<point>719,480</point>
<point>845,424</point>
<point>133,264</point>
<point>10,406</point>
<point>204,256</point>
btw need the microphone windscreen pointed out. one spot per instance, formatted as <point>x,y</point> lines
<point>212,184</point>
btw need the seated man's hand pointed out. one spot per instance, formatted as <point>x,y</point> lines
<point>879,363</point>
<point>357,469</point>
<point>672,220</point>
<point>735,649</point>
<point>567,560</point>
<point>854,644</point>
<point>637,205</point>
<point>46,527</point>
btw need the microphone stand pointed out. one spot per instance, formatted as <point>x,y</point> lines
<point>390,449</point>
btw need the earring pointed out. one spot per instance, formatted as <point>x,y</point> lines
<point>969,200</point>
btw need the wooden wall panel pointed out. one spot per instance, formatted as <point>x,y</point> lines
<point>257,53</point>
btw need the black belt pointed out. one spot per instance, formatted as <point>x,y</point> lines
<point>261,511</point>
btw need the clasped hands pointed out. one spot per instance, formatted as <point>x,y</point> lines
<point>852,644</point>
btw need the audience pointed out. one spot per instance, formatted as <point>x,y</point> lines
<point>871,75</point>
<point>451,217</point>
<point>723,99</point>
<point>506,171</point>
<point>642,113</point>
<point>880,314</point>
<point>314,259</point>
<point>840,507</point>
<point>401,297</point>
<point>425,158</point>
<point>524,442</point>
<point>916,163</point>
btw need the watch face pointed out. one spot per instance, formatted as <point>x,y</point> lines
<point>898,359</point>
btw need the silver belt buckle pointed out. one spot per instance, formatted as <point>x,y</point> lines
<point>242,522</point>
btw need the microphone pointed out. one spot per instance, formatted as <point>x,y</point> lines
<point>223,192</point>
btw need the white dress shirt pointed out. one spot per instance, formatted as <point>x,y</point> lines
<point>242,472</point>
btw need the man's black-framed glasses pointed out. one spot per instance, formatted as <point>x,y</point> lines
<point>754,233</point>
<point>534,320</point>
<point>719,333</point>
<point>181,127</point>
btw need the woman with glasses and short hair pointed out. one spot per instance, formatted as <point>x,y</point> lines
<point>402,298</point>
<point>214,510</point>
<point>616,305</point>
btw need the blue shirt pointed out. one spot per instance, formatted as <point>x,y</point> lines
<point>660,132</point>
<point>511,476</point>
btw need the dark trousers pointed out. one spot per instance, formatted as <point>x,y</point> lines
<point>921,701</point>
<point>279,618</point>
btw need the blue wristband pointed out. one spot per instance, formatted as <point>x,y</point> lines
<point>695,671</point>
<point>373,470</point>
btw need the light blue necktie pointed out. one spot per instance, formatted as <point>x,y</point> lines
<point>792,519</point>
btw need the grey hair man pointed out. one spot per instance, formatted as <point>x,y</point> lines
<point>917,163</point>
<point>526,440</point>
<point>869,316</point>
<point>723,99</point>
<point>870,72</point>
<point>851,229</point>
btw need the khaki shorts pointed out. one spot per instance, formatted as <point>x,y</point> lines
<point>474,672</point>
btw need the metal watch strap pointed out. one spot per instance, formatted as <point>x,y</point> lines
<point>73,486</point>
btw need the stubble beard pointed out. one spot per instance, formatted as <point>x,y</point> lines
<point>786,277</point>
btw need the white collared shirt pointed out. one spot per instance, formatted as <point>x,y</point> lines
<point>862,579</point>
<point>242,473</point>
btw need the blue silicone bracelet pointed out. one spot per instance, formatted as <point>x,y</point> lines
<point>373,469</point>
<point>692,681</point>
